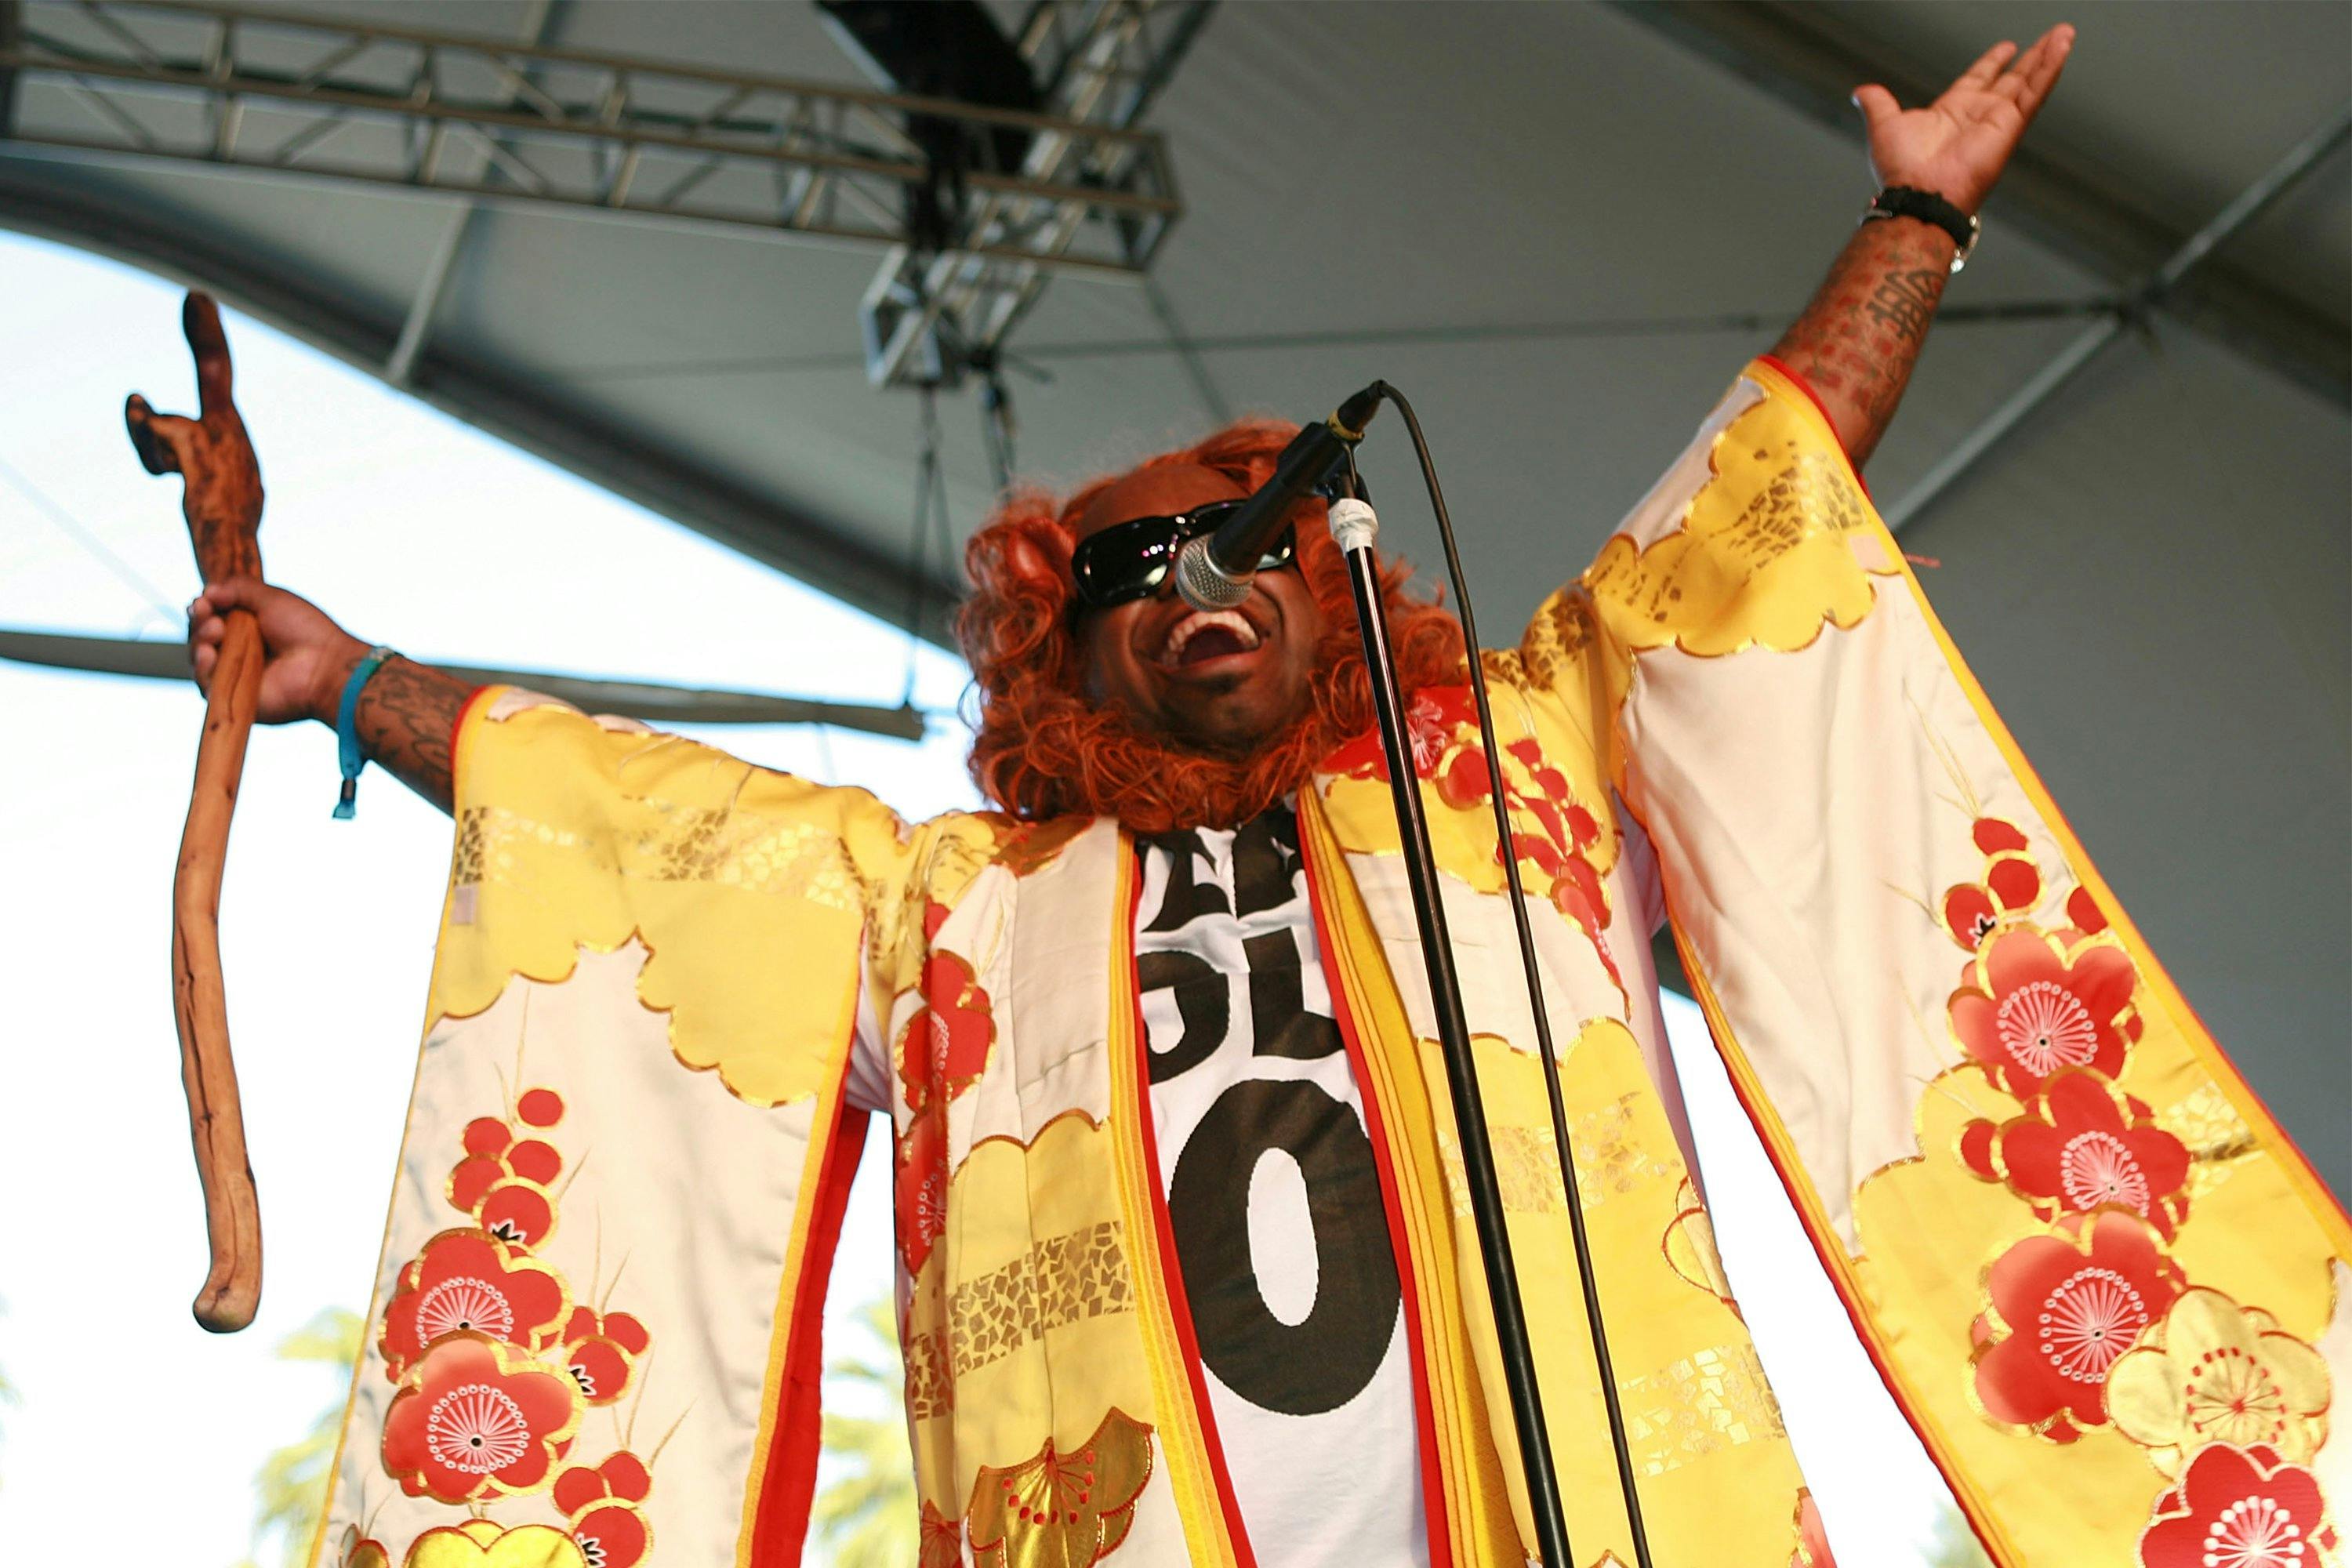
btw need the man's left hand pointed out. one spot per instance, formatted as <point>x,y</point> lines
<point>1957,146</point>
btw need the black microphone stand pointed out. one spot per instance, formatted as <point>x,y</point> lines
<point>1214,573</point>
<point>1355,527</point>
<point>1453,1040</point>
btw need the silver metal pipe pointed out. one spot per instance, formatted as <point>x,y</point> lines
<point>634,698</point>
<point>2241,210</point>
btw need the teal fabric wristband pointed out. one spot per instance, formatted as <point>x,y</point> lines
<point>347,731</point>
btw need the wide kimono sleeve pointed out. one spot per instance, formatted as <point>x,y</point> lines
<point>2102,1283</point>
<point>594,1320</point>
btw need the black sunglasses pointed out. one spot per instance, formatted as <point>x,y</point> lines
<point>1130,559</point>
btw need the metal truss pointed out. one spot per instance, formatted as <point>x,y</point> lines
<point>501,121</point>
<point>930,317</point>
<point>2129,311</point>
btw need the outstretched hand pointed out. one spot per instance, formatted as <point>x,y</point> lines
<point>212,454</point>
<point>1957,146</point>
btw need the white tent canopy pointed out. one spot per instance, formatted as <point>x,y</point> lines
<point>1560,228</point>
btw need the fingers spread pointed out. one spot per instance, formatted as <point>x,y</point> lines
<point>2039,70</point>
<point>200,321</point>
<point>1987,66</point>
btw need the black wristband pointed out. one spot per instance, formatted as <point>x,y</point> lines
<point>1909,201</point>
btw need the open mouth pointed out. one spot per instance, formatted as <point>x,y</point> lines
<point>1203,635</point>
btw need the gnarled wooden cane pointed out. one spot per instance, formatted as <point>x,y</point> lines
<point>222,499</point>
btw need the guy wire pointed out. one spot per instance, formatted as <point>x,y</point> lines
<point>930,500</point>
<point>1534,981</point>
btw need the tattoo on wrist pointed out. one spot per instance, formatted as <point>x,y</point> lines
<point>407,713</point>
<point>1861,335</point>
<point>1904,301</point>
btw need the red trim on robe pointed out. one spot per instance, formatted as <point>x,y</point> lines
<point>1434,1517</point>
<point>1179,1308</point>
<point>786,1490</point>
<point>457,728</point>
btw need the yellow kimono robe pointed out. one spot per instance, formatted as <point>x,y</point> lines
<point>2095,1274</point>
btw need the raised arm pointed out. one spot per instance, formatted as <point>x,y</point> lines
<point>407,710</point>
<point>1859,338</point>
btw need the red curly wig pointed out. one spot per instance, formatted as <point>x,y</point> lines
<point>1040,749</point>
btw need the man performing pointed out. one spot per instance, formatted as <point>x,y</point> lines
<point>669,985</point>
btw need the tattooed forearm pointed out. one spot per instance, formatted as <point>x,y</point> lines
<point>1858,340</point>
<point>405,715</point>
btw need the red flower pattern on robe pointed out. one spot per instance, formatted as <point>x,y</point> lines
<point>613,1535</point>
<point>1433,722</point>
<point>2008,892</point>
<point>939,1538</point>
<point>2239,1508</point>
<point>603,1506</point>
<point>2070,1313</point>
<point>477,1422</point>
<point>503,1182</point>
<point>2034,1010</point>
<point>622,1475</point>
<point>464,1280</point>
<point>2083,1153</point>
<point>945,1045</point>
<point>600,1348</point>
<point>1550,831</point>
<point>2084,911</point>
<point>1992,836</point>
<point>920,1185</point>
<point>518,1211</point>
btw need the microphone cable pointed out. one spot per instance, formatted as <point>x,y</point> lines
<point>1592,1314</point>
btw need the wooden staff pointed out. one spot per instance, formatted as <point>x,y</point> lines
<point>222,499</point>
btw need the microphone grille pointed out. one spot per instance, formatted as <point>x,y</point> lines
<point>1203,584</point>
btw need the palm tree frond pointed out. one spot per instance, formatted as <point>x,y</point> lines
<point>865,1517</point>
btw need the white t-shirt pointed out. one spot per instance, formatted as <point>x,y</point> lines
<point>1275,1203</point>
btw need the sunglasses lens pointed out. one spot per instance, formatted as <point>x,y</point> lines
<point>1131,560</point>
<point>1123,562</point>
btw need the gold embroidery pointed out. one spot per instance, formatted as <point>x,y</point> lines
<point>1610,1160</point>
<point>1775,545</point>
<point>479,1543</point>
<point>1554,646</point>
<point>2215,1135</point>
<point>1061,1280</point>
<point>487,837</point>
<point>1609,1154</point>
<point>930,1380</point>
<point>1708,1401</point>
<point>760,854</point>
<point>1526,1168</point>
<point>1062,1510</point>
<point>726,847</point>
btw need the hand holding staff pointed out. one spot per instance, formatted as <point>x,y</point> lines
<point>222,500</point>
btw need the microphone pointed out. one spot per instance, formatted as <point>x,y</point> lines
<point>1214,572</point>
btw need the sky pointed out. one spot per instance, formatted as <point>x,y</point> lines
<point>417,531</point>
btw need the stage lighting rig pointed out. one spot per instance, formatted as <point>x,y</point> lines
<point>938,311</point>
<point>1032,166</point>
